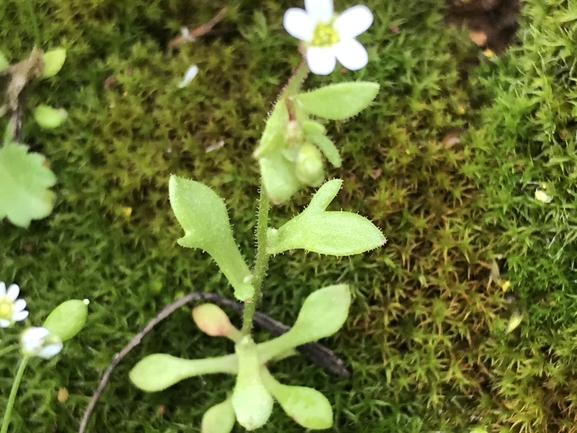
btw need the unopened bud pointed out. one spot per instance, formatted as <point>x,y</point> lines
<point>67,319</point>
<point>309,165</point>
<point>211,320</point>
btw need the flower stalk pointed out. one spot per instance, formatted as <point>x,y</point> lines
<point>13,392</point>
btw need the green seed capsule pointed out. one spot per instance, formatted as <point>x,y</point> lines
<point>67,319</point>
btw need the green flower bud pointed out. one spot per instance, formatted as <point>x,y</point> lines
<point>67,319</point>
<point>309,165</point>
<point>48,117</point>
<point>53,61</point>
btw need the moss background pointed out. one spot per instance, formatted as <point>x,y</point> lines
<point>426,335</point>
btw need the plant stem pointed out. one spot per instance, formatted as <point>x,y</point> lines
<point>13,392</point>
<point>292,87</point>
<point>261,261</point>
<point>9,349</point>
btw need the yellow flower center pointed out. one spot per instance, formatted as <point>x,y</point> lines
<point>325,36</point>
<point>6,308</point>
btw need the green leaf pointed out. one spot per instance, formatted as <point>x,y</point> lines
<point>275,127</point>
<point>219,418</point>
<point>326,232</point>
<point>251,401</point>
<point>311,127</point>
<point>159,371</point>
<point>514,321</point>
<point>322,314</point>
<point>25,180</point>
<point>48,117</point>
<point>203,216</point>
<point>338,101</point>
<point>67,319</point>
<point>53,61</point>
<point>306,406</point>
<point>328,148</point>
<point>4,63</point>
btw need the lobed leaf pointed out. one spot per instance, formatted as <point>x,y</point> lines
<point>24,185</point>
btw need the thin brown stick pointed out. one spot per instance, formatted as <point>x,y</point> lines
<point>317,353</point>
<point>198,31</point>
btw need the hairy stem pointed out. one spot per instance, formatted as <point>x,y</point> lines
<point>13,392</point>
<point>261,261</point>
<point>292,87</point>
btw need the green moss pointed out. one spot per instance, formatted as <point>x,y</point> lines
<point>426,336</point>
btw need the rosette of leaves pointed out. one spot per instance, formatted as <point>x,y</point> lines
<point>289,152</point>
<point>203,216</point>
<point>251,401</point>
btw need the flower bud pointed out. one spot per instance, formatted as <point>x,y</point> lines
<point>67,319</point>
<point>294,134</point>
<point>309,165</point>
<point>211,320</point>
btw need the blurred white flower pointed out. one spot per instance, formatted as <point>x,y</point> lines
<point>38,341</point>
<point>188,76</point>
<point>329,38</point>
<point>12,309</point>
<point>542,196</point>
<point>186,34</point>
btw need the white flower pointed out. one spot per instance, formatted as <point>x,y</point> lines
<point>186,34</point>
<point>327,38</point>
<point>11,308</point>
<point>542,196</point>
<point>188,76</point>
<point>39,342</point>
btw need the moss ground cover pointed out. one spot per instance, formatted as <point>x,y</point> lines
<point>426,338</point>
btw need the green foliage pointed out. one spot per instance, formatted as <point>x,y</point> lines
<point>338,101</point>
<point>25,180</point>
<point>326,232</point>
<point>219,419</point>
<point>53,62</point>
<point>48,117</point>
<point>202,214</point>
<point>426,339</point>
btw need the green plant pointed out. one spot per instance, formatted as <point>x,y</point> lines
<point>289,156</point>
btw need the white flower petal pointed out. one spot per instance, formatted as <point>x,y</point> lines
<point>13,291</point>
<point>188,76</point>
<point>298,24</point>
<point>186,34</point>
<point>4,323</point>
<point>50,350</point>
<point>351,54</point>
<point>353,22</point>
<point>19,316</point>
<point>19,305</point>
<point>35,334</point>
<point>2,289</point>
<point>320,10</point>
<point>321,60</point>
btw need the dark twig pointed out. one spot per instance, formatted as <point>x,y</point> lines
<point>317,353</point>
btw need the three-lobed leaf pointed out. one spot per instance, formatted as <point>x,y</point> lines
<point>24,185</point>
<point>338,101</point>
<point>326,232</point>
<point>203,216</point>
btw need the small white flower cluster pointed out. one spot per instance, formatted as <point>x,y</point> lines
<point>35,341</point>
<point>327,37</point>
